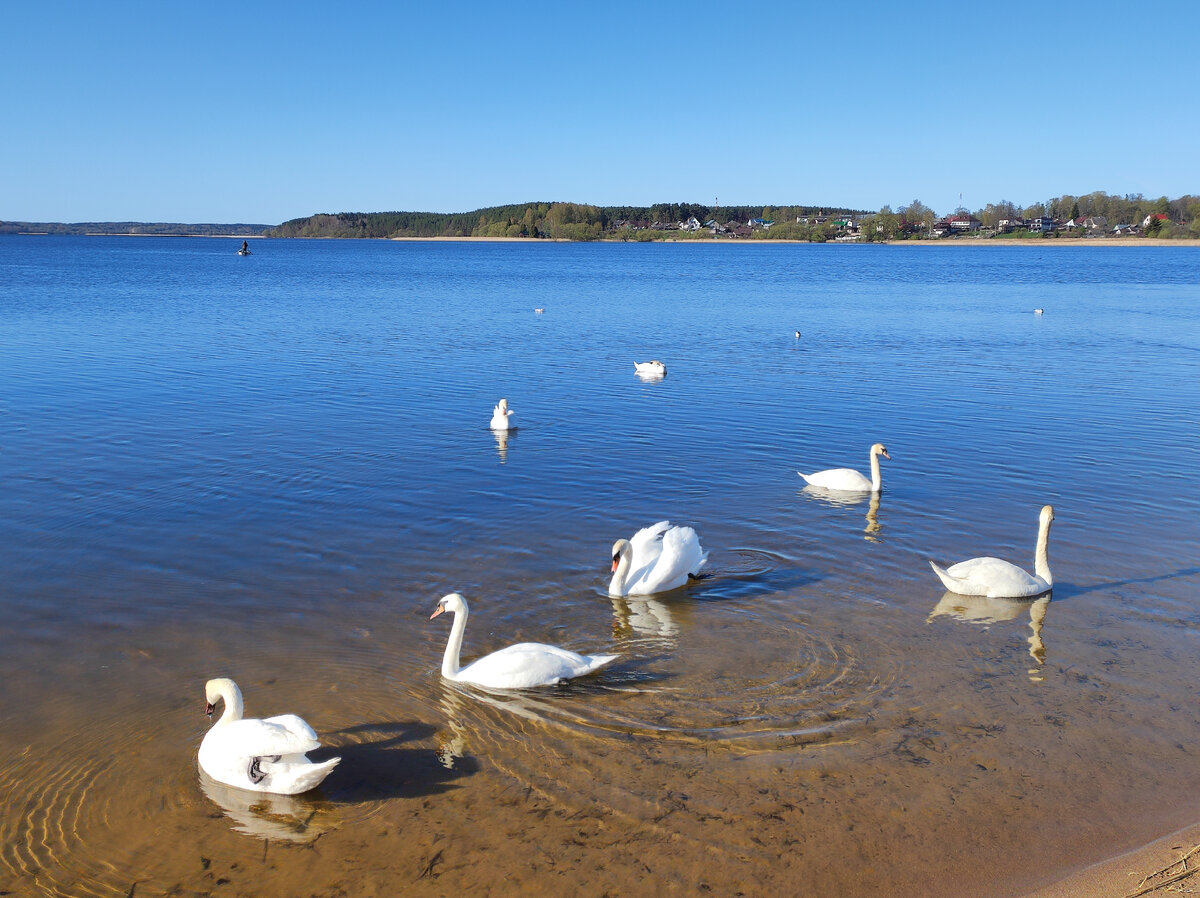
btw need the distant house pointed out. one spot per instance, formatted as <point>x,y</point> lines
<point>1095,223</point>
<point>759,223</point>
<point>1154,216</point>
<point>940,228</point>
<point>1125,230</point>
<point>1072,223</point>
<point>959,224</point>
<point>1010,224</point>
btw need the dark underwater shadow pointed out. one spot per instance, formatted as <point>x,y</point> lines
<point>381,768</point>
<point>1070,590</point>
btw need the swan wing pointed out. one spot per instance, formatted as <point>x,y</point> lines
<point>251,738</point>
<point>680,554</point>
<point>994,578</point>
<point>645,548</point>
<point>529,664</point>
<point>838,479</point>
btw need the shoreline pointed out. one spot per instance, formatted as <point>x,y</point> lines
<point>1119,875</point>
<point>1042,242</point>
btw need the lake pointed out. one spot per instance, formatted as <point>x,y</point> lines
<point>271,467</point>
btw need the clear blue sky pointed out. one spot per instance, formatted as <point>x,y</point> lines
<point>260,112</point>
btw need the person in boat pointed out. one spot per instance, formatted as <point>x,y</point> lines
<point>245,246</point>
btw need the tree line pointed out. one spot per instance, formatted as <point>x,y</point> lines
<point>1182,215</point>
<point>560,221</point>
<point>139,228</point>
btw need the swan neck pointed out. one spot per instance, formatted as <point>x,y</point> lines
<point>1041,555</point>
<point>616,586</point>
<point>876,476</point>
<point>450,661</point>
<point>234,708</point>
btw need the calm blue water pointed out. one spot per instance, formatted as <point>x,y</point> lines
<point>273,466</point>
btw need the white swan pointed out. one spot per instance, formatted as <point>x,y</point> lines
<point>658,558</point>
<point>848,478</point>
<point>652,368</point>
<point>520,666</point>
<point>260,755</point>
<point>1039,311</point>
<point>500,415</point>
<point>999,579</point>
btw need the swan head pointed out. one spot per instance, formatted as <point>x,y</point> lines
<point>620,547</point>
<point>453,603</point>
<point>880,449</point>
<point>218,689</point>
<point>502,406</point>
<point>1047,514</point>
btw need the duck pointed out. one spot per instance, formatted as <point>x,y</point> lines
<point>847,478</point>
<point>521,666</point>
<point>652,368</point>
<point>998,579</point>
<point>658,558</point>
<point>258,755</point>
<point>500,415</point>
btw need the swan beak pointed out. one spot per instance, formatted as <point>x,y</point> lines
<point>885,455</point>
<point>208,709</point>
<point>616,561</point>
<point>436,611</point>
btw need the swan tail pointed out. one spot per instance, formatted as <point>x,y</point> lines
<point>303,775</point>
<point>804,477</point>
<point>595,662</point>
<point>951,583</point>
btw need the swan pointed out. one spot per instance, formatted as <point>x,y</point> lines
<point>997,579</point>
<point>652,368</point>
<point>658,558</point>
<point>259,755</point>
<point>848,478</point>
<point>518,666</point>
<point>1039,311</point>
<point>797,335</point>
<point>500,415</point>
<point>539,311</point>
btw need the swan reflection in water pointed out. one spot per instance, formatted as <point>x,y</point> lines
<point>264,815</point>
<point>982,610</point>
<point>848,498</point>
<point>502,439</point>
<point>643,616</point>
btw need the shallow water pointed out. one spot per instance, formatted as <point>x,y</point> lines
<point>271,467</point>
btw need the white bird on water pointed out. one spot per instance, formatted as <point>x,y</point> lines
<point>259,755</point>
<point>658,558</point>
<point>652,368</point>
<point>520,666</point>
<point>849,479</point>
<point>1039,311</point>
<point>500,415</point>
<point>999,579</point>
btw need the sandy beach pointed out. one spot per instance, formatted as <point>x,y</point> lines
<point>1153,867</point>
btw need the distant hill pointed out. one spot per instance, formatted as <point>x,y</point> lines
<point>571,221</point>
<point>138,228</point>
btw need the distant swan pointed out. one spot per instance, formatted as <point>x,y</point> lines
<point>658,558</point>
<point>653,368</point>
<point>1039,311</point>
<point>520,666</point>
<point>260,755</point>
<point>539,311</point>
<point>500,415</point>
<point>797,335</point>
<point>997,579</point>
<point>848,478</point>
